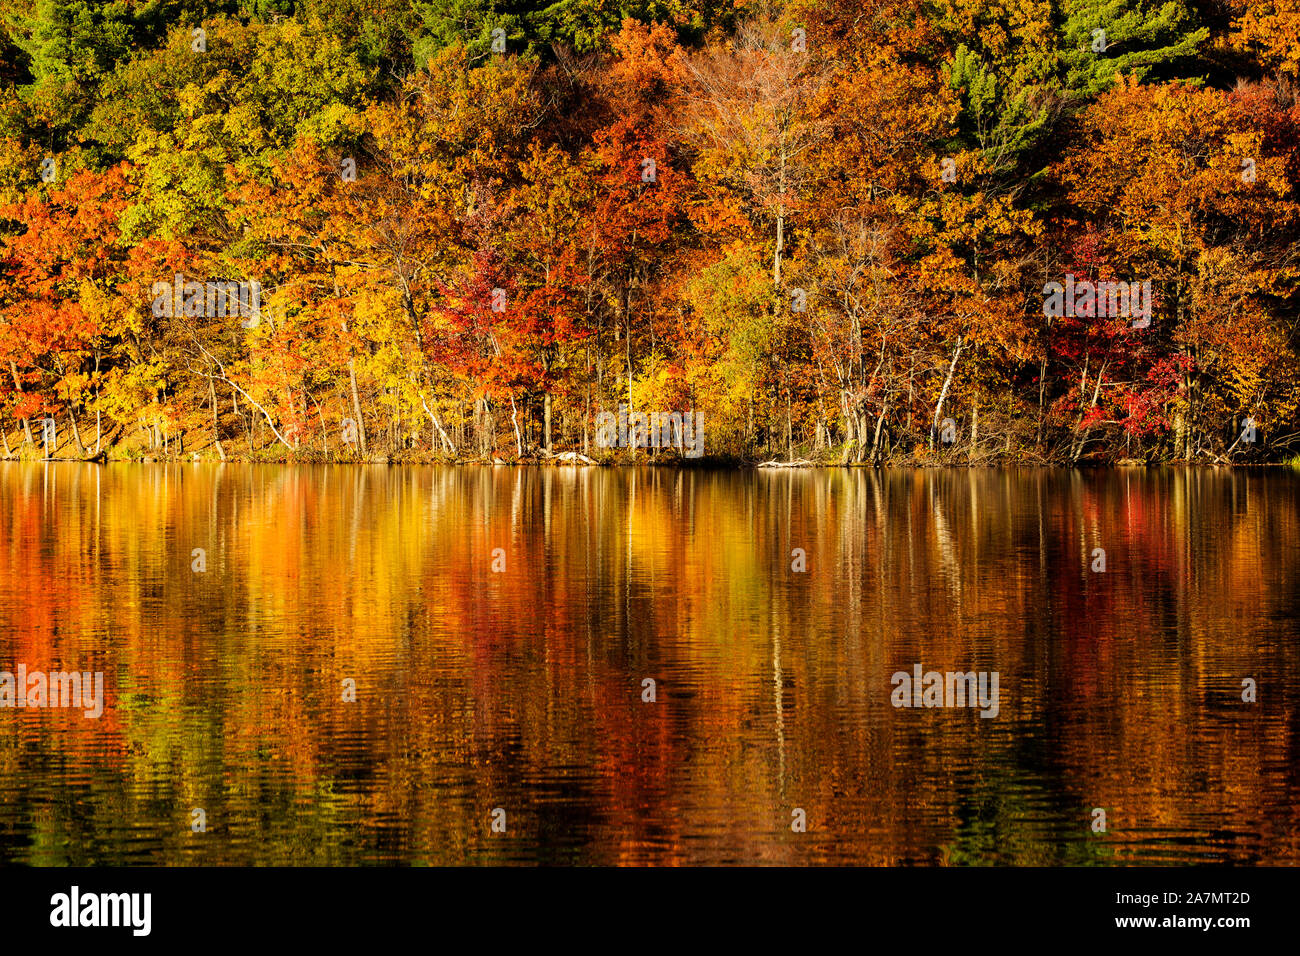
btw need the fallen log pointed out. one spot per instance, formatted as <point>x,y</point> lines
<point>572,458</point>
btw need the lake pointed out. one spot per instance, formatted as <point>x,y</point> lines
<point>475,665</point>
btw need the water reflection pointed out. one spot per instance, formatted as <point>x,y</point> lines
<point>523,689</point>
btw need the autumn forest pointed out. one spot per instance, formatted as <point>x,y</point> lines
<point>828,227</point>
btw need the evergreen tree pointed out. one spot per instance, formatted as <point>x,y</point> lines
<point>1104,39</point>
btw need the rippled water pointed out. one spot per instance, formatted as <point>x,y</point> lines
<point>522,689</point>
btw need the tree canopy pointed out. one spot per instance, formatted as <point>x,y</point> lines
<point>829,226</point>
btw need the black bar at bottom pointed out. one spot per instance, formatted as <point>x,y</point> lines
<point>643,907</point>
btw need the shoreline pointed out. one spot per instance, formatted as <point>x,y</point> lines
<point>698,464</point>
<point>206,451</point>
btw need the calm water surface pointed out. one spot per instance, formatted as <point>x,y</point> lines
<point>522,689</point>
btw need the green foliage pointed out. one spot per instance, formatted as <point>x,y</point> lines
<point>75,40</point>
<point>1004,124</point>
<point>1138,37</point>
<point>532,26</point>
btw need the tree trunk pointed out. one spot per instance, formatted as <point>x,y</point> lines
<point>943,393</point>
<point>1042,384</point>
<point>627,353</point>
<point>447,444</point>
<point>324,430</point>
<point>265,414</point>
<point>216,432</point>
<point>546,421</point>
<point>850,430</point>
<point>586,417</point>
<point>780,218</point>
<point>849,433</point>
<point>875,442</point>
<point>514,420</point>
<point>76,434</point>
<point>18,387</point>
<point>780,246</point>
<point>1077,447</point>
<point>485,423</point>
<point>356,406</point>
<point>789,428</point>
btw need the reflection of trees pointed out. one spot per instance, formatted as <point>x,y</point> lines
<point>522,689</point>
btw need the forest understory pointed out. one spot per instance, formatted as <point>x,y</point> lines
<point>993,442</point>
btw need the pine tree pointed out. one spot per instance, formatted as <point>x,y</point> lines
<point>1104,39</point>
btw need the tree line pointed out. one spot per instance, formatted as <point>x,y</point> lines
<point>836,230</point>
